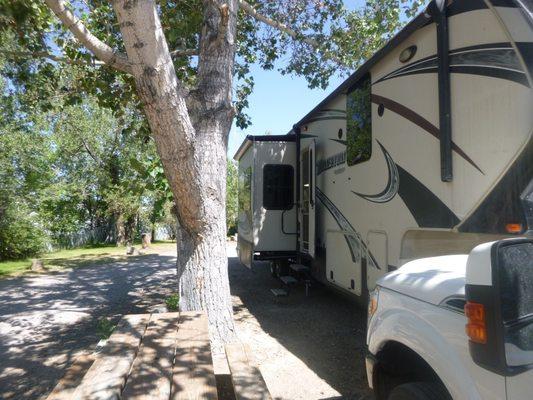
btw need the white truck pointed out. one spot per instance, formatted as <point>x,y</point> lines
<point>455,327</point>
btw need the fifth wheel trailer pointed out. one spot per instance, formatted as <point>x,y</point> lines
<point>425,150</point>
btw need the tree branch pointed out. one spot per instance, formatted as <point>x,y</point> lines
<point>44,54</point>
<point>248,9</point>
<point>184,53</point>
<point>100,49</point>
<point>89,151</point>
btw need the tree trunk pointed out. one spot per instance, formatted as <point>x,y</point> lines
<point>120,227</point>
<point>191,139</point>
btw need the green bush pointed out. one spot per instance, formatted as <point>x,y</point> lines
<point>172,302</point>
<point>20,234</point>
<point>104,328</point>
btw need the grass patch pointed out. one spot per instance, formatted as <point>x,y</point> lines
<point>172,302</point>
<point>14,267</point>
<point>104,328</point>
<point>75,258</point>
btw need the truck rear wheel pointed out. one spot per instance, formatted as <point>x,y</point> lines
<point>419,391</point>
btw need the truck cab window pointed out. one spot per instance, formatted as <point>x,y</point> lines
<point>278,187</point>
<point>516,284</point>
<point>359,122</point>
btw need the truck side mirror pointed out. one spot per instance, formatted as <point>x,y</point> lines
<point>499,305</point>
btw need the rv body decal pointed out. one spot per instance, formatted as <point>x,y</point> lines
<point>458,7</point>
<point>353,244</point>
<point>504,204</point>
<point>496,60</point>
<point>330,162</point>
<point>426,208</point>
<point>393,182</point>
<point>421,122</point>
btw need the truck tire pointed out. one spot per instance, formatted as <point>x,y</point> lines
<point>419,391</point>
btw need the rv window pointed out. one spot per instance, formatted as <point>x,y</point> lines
<point>245,196</point>
<point>359,122</point>
<point>278,187</point>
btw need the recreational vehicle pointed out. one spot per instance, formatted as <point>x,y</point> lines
<point>425,150</point>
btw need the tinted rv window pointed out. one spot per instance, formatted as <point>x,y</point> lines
<point>359,122</point>
<point>278,187</point>
<point>245,196</point>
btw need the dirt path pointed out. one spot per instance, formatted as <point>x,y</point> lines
<point>307,348</point>
<point>47,320</point>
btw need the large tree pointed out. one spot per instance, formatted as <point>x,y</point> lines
<point>179,59</point>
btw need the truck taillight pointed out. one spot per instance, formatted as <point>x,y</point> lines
<point>476,328</point>
<point>513,228</point>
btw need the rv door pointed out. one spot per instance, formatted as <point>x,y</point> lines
<point>308,206</point>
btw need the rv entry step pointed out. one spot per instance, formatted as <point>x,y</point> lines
<point>299,268</point>
<point>288,280</point>
<point>279,292</point>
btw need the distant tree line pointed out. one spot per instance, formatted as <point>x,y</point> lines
<point>75,174</point>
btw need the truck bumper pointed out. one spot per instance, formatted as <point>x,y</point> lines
<point>370,362</point>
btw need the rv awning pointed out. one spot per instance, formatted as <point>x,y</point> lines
<point>261,138</point>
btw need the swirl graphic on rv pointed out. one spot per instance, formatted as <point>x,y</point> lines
<point>393,183</point>
<point>353,239</point>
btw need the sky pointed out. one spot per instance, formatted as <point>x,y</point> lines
<point>277,103</point>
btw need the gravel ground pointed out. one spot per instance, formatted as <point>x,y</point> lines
<point>47,320</point>
<point>305,347</point>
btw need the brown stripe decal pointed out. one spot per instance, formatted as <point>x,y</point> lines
<point>420,121</point>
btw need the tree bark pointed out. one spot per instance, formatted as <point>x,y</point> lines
<point>120,228</point>
<point>191,138</point>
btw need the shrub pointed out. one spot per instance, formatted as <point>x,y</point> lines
<point>104,328</point>
<point>172,302</point>
<point>20,234</point>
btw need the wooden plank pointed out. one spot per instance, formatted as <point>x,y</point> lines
<point>193,376</point>
<point>248,382</point>
<point>107,376</point>
<point>67,385</point>
<point>151,374</point>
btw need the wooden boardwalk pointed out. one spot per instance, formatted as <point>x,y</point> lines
<point>158,357</point>
<point>149,356</point>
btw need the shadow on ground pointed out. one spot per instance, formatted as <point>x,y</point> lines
<point>47,320</point>
<point>325,330</point>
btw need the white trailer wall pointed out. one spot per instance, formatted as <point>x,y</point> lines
<point>269,234</point>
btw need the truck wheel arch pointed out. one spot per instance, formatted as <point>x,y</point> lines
<point>398,364</point>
